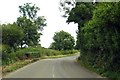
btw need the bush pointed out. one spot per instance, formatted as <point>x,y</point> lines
<point>5,49</point>
<point>69,52</point>
<point>32,52</point>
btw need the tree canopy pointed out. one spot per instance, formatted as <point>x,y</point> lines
<point>26,30</point>
<point>31,24</point>
<point>12,35</point>
<point>63,41</point>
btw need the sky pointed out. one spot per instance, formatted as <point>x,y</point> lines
<point>9,12</point>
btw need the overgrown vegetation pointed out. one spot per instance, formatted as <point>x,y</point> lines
<point>15,60</point>
<point>31,52</point>
<point>98,36</point>
<point>23,33</point>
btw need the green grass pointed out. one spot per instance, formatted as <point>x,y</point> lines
<point>58,56</point>
<point>19,64</point>
<point>15,66</point>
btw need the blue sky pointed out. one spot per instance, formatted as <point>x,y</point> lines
<point>48,8</point>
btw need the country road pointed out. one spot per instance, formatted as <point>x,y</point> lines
<point>54,68</point>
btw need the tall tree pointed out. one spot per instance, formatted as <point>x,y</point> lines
<point>63,41</point>
<point>80,13</point>
<point>31,24</point>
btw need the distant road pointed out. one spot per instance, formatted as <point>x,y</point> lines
<point>54,68</point>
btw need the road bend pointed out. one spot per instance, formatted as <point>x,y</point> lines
<point>65,67</point>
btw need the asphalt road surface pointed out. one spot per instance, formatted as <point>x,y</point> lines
<point>54,68</point>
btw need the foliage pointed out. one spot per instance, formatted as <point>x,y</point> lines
<point>101,35</point>
<point>66,6</point>
<point>24,32</point>
<point>69,52</point>
<point>31,53</point>
<point>62,41</point>
<point>31,24</point>
<point>28,10</point>
<point>31,35</point>
<point>12,35</point>
<point>98,34</point>
<point>80,14</point>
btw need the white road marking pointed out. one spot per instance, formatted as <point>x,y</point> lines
<point>53,71</point>
<point>53,76</point>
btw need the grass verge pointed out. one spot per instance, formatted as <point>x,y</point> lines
<point>58,56</point>
<point>19,64</point>
<point>111,75</point>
